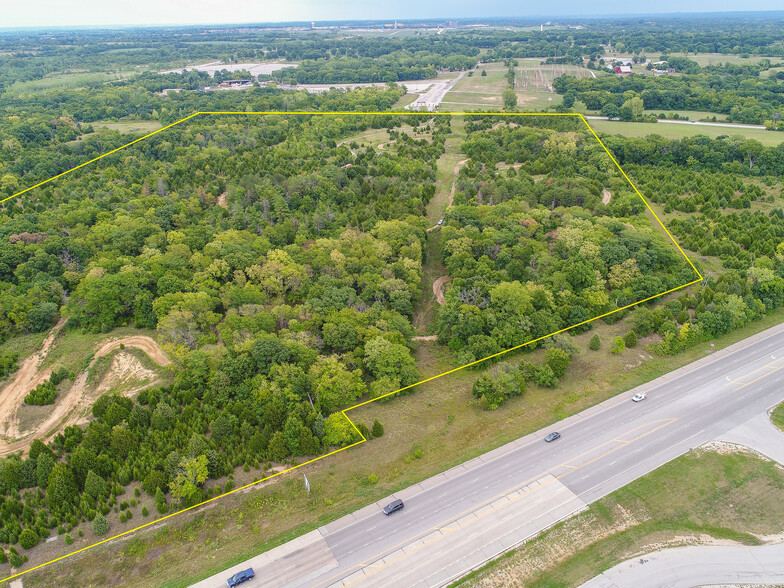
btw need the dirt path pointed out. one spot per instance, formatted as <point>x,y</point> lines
<point>70,408</point>
<point>222,201</point>
<point>425,338</point>
<point>25,379</point>
<point>437,288</point>
<point>606,196</point>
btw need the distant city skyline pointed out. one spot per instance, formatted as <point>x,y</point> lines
<point>56,13</point>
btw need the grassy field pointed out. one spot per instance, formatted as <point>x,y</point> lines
<point>701,497</point>
<point>128,126</point>
<point>678,131</point>
<point>64,81</point>
<point>428,431</point>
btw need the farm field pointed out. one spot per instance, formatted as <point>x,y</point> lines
<point>533,86</point>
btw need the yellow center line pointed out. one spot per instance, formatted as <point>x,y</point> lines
<point>772,371</point>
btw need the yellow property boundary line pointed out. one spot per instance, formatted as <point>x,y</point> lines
<point>347,113</point>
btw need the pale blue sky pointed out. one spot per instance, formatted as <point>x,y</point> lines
<point>21,13</point>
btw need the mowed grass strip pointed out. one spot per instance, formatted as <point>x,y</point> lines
<point>679,131</point>
<point>702,497</point>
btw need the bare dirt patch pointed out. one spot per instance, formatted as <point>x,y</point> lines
<point>73,406</point>
<point>25,379</point>
<point>222,201</point>
<point>438,290</point>
<point>606,196</point>
<point>125,370</point>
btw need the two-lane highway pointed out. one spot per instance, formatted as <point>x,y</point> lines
<point>458,520</point>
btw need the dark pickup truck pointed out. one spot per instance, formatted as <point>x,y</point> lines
<point>240,577</point>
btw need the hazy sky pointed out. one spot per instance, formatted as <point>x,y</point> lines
<point>17,13</point>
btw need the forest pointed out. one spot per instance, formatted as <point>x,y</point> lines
<point>279,263</point>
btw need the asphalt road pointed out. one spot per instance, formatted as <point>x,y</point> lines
<point>460,519</point>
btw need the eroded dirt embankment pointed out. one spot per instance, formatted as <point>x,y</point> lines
<point>70,407</point>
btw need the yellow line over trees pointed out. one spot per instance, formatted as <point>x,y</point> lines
<point>343,412</point>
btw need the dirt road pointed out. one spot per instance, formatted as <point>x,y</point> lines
<point>25,379</point>
<point>69,408</point>
<point>437,288</point>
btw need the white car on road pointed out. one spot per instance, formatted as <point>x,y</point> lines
<point>639,396</point>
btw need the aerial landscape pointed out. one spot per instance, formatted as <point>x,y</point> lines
<point>326,295</point>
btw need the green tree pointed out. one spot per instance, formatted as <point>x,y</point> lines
<point>277,450</point>
<point>509,98</point>
<point>558,360</point>
<point>378,429</point>
<point>595,343</point>
<point>61,490</point>
<point>544,376</point>
<point>618,345</point>
<point>191,474</point>
<point>28,539</point>
<point>100,525</point>
<point>160,501</point>
<point>94,485</point>
<point>334,385</point>
<point>630,339</point>
<point>338,431</point>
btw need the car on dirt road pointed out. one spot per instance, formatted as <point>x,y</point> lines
<point>552,437</point>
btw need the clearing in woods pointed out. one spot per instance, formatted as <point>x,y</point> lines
<point>73,405</point>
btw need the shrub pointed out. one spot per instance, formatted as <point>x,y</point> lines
<point>630,339</point>
<point>15,560</point>
<point>364,430</point>
<point>595,343</point>
<point>100,525</point>
<point>44,393</point>
<point>145,512</point>
<point>160,501</point>
<point>137,492</point>
<point>28,539</point>
<point>3,556</point>
<point>68,540</point>
<point>618,346</point>
<point>372,479</point>
<point>378,429</point>
<point>558,360</point>
<point>122,518</point>
<point>544,376</point>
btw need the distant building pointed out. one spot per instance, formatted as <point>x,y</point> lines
<point>235,83</point>
<point>623,61</point>
<point>623,69</point>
